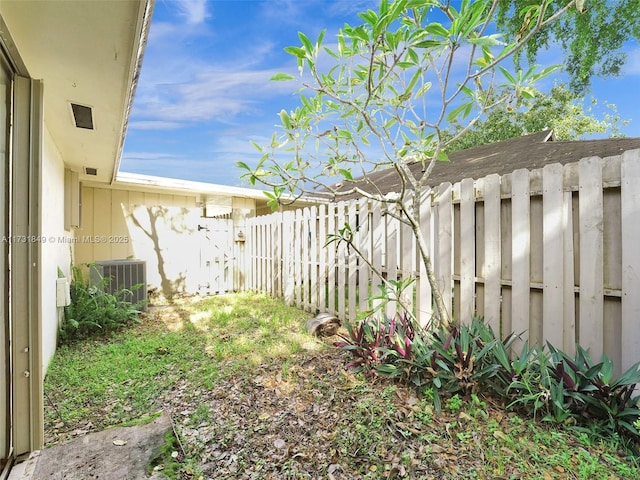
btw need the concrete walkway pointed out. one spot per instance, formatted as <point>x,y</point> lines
<point>121,453</point>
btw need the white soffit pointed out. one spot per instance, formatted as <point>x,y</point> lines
<point>87,53</point>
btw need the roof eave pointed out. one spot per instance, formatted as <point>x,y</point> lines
<point>142,35</point>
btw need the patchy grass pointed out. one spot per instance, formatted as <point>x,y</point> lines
<point>253,396</point>
<point>111,381</point>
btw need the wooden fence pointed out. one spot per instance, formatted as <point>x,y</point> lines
<point>552,253</point>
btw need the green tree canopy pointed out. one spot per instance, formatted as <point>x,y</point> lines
<point>570,115</point>
<point>592,35</point>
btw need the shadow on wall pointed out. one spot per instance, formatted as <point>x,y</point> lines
<point>166,238</point>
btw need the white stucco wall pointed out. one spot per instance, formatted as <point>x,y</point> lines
<point>55,252</point>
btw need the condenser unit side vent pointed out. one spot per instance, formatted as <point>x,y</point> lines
<point>120,274</point>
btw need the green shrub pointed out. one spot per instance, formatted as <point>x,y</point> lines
<point>459,360</point>
<point>94,311</point>
<point>591,391</point>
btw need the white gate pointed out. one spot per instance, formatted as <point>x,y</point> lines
<point>216,255</point>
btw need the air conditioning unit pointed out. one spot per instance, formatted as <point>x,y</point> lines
<point>121,274</point>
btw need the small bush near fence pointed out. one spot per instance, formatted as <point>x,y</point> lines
<point>94,311</point>
<point>463,359</point>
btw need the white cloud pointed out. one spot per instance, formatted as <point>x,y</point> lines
<point>213,94</point>
<point>342,8</point>
<point>212,169</point>
<point>153,125</point>
<point>290,11</point>
<point>632,66</point>
<point>193,11</point>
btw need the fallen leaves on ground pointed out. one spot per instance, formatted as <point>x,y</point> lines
<point>306,417</point>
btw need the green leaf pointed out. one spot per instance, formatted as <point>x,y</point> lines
<point>369,17</point>
<point>331,52</point>
<point>308,46</point>
<point>463,110</point>
<point>243,166</point>
<point>442,157</point>
<point>508,75</point>
<point>295,51</point>
<point>534,77</point>
<point>345,173</point>
<point>360,33</point>
<point>412,56</point>
<point>281,76</point>
<point>527,92</point>
<point>319,40</point>
<point>430,43</point>
<point>423,89</point>
<point>630,377</point>
<point>488,41</point>
<point>405,65</point>
<point>341,45</point>
<point>436,29</point>
<point>285,119</point>
<point>346,134</point>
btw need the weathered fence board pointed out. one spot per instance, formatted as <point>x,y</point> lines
<point>391,254</point>
<point>364,243</point>
<point>377,234</point>
<point>443,232</point>
<point>492,242</point>
<point>550,254</point>
<point>553,246</point>
<point>630,202</point>
<point>352,261</point>
<point>467,251</point>
<point>322,258</point>
<point>424,308</point>
<point>520,253</point>
<point>340,262</point>
<point>331,261</point>
<point>591,241</point>
<point>287,268</point>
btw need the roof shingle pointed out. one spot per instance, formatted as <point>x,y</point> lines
<point>529,151</point>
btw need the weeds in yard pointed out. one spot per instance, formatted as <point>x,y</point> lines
<point>94,311</point>
<point>253,396</point>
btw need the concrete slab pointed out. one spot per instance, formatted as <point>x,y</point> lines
<point>121,453</point>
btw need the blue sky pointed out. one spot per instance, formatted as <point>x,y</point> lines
<point>204,92</point>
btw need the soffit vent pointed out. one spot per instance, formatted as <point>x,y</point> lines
<point>91,171</point>
<point>83,116</point>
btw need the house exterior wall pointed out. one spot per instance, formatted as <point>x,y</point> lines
<point>161,229</point>
<point>154,227</point>
<point>53,54</point>
<point>56,247</point>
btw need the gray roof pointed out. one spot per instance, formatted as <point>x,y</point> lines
<point>529,151</point>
